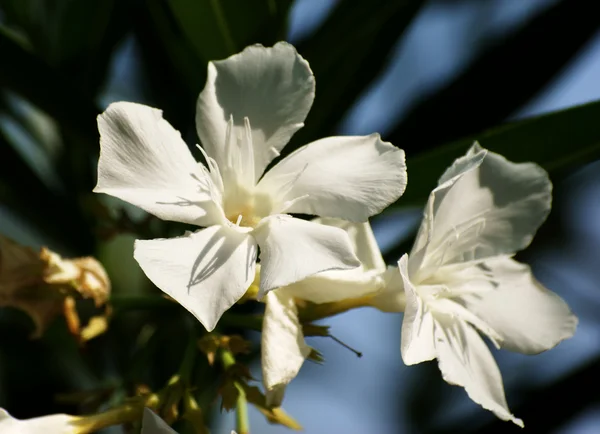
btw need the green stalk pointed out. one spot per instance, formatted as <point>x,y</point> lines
<point>242,420</point>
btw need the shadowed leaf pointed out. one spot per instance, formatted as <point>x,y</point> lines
<point>507,75</point>
<point>346,53</point>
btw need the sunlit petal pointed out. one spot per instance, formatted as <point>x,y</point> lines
<point>466,361</point>
<point>417,326</point>
<point>351,177</point>
<point>362,239</point>
<point>144,161</point>
<point>205,271</point>
<point>337,285</point>
<point>528,317</point>
<point>485,206</point>
<point>283,349</point>
<point>391,297</point>
<point>51,424</point>
<point>294,249</point>
<point>271,86</point>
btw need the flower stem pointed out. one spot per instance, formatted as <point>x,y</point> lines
<point>132,411</point>
<point>241,416</point>
<point>242,420</point>
<point>129,412</point>
<point>227,359</point>
<point>193,414</point>
<point>325,310</point>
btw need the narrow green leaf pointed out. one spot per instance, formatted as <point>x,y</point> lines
<point>557,141</point>
<point>74,37</point>
<point>179,37</point>
<point>25,194</point>
<point>174,70</point>
<point>218,29</point>
<point>511,71</point>
<point>346,53</point>
<point>60,68</point>
<point>33,79</point>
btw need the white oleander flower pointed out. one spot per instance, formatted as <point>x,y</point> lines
<point>51,424</point>
<point>460,280</point>
<point>283,349</point>
<point>253,102</point>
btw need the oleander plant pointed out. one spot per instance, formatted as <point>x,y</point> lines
<point>184,209</point>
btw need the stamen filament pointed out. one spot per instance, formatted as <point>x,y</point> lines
<point>345,345</point>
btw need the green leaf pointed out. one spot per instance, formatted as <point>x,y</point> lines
<point>57,95</point>
<point>24,193</point>
<point>510,71</point>
<point>346,53</point>
<point>59,53</point>
<point>58,64</point>
<point>75,37</point>
<point>557,141</point>
<point>36,81</point>
<point>217,29</point>
<point>178,38</point>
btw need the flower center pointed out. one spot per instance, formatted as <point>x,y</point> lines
<point>243,217</point>
<point>245,208</point>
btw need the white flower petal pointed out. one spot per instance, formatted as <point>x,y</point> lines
<point>528,317</point>
<point>462,165</point>
<point>283,349</point>
<point>351,177</point>
<point>337,285</point>
<point>272,86</point>
<point>391,298</point>
<point>453,309</point>
<point>205,271</point>
<point>470,161</point>
<point>466,361</point>
<point>417,326</point>
<point>153,424</point>
<point>362,239</point>
<point>294,249</point>
<point>144,161</point>
<point>51,424</point>
<point>486,206</point>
